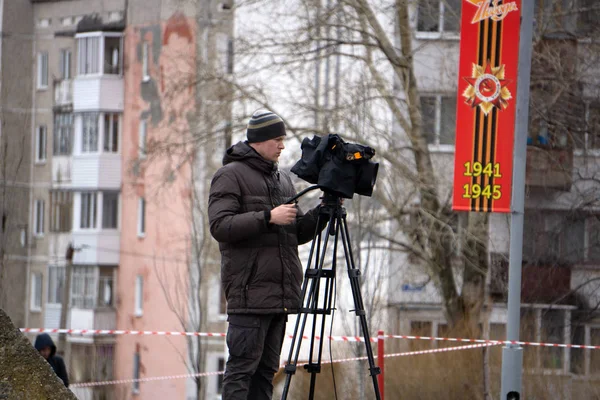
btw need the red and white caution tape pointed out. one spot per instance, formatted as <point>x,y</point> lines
<point>513,342</point>
<point>148,379</point>
<point>305,337</point>
<point>442,350</point>
<point>414,353</point>
<point>119,332</point>
<point>158,378</point>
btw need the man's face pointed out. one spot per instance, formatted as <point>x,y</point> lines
<point>270,149</point>
<point>45,352</point>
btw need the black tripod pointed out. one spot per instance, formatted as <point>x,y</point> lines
<point>319,306</point>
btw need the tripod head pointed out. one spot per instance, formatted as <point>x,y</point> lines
<point>331,200</point>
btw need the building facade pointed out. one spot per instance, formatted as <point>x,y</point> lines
<point>95,103</point>
<point>16,152</point>
<point>560,268</point>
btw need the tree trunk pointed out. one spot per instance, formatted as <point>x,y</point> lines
<point>24,374</point>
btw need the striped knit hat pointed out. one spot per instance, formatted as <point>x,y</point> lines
<point>264,125</point>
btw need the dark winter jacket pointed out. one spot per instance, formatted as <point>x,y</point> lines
<point>55,361</point>
<point>260,269</point>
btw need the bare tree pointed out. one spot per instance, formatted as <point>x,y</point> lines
<point>341,68</point>
<point>376,73</point>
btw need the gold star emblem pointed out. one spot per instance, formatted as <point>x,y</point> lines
<point>487,88</point>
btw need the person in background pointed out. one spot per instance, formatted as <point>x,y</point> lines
<point>47,349</point>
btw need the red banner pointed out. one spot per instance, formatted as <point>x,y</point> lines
<point>485,115</point>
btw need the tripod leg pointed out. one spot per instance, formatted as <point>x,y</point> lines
<point>353,274</point>
<point>315,367</point>
<point>310,303</point>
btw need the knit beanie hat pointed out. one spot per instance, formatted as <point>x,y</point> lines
<point>264,125</point>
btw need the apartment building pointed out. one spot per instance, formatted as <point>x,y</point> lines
<point>16,152</point>
<point>178,56</point>
<point>561,267</point>
<point>91,92</point>
<point>78,104</point>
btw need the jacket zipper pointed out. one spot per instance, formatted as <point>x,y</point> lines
<point>280,255</point>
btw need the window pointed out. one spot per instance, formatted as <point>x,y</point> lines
<point>42,70</point>
<point>110,210</point>
<point>36,292</point>
<point>230,56</point>
<point>143,138</point>
<point>61,211</point>
<point>553,331</point>
<point>443,330</point>
<point>89,133</point>
<point>593,235</point>
<point>106,287</point>
<point>145,62</point>
<point>104,362</point>
<point>88,210</point>
<point>92,362</point>
<point>83,290</point>
<point>222,302</point>
<point>560,236</point>
<point>497,331</point>
<point>23,237</point>
<point>111,133</point>
<point>551,16</point>
<point>594,354</point>
<point>420,328</point>
<point>226,5</point>
<point>40,146</point>
<point>439,16</point>
<point>63,133</point>
<point>112,55</point>
<point>56,282</point>
<point>439,119</point>
<point>224,58</point>
<point>39,218</point>
<point>65,64</point>
<point>135,387</point>
<point>139,296</point>
<point>142,217</point>
<point>88,55</point>
<point>588,17</point>
<point>577,356</point>
<point>220,368</point>
<point>591,138</point>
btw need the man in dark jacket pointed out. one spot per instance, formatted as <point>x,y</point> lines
<point>47,349</point>
<point>258,237</point>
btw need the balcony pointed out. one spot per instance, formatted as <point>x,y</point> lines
<point>97,246</point>
<point>63,94</point>
<point>92,298</point>
<point>93,319</point>
<point>99,81</point>
<point>97,170</point>
<point>549,168</point>
<point>98,92</point>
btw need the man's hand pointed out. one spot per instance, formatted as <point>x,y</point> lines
<point>284,214</point>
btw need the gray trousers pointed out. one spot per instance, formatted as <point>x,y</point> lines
<point>254,343</point>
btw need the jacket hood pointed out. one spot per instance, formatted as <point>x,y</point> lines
<point>243,152</point>
<point>44,340</point>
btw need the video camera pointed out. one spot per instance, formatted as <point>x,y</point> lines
<point>340,168</point>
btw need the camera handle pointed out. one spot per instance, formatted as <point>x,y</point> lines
<point>302,193</point>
